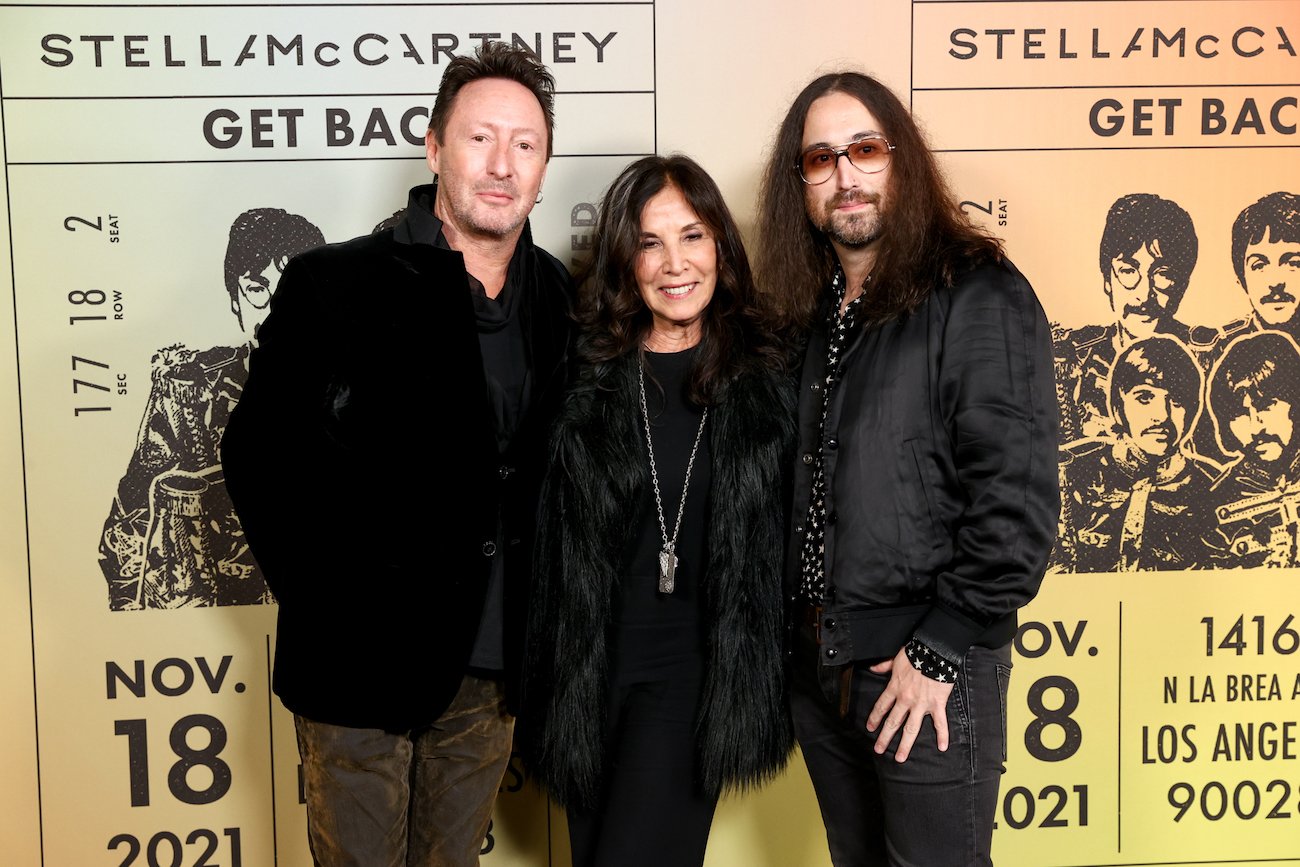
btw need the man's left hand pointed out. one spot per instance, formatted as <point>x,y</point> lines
<point>903,705</point>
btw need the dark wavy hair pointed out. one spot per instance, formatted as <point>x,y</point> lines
<point>614,318</point>
<point>926,240</point>
<point>263,236</point>
<point>1277,216</point>
<point>1265,366</point>
<point>495,60</point>
<point>1146,221</point>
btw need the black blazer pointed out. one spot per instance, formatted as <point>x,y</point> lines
<point>366,415</point>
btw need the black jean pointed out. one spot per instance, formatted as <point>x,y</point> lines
<point>936,808</point>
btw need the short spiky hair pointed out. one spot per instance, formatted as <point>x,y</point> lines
<point>495,60</point>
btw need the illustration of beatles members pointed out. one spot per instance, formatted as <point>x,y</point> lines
<point>1147,252</point>
<point>1140,501</point>
<point>1254,398</point>
<point>172,539</point>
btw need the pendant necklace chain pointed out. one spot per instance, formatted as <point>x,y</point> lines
<point>667,555</point>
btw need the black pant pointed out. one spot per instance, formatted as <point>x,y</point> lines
<point>652,811</point>
<point>935,808</point>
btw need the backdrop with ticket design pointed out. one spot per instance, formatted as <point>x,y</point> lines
<point>1140,159</point>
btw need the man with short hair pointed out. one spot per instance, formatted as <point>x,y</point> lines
<point>925,497</point>
<point>385,461</point>
<point>1141,501</point>
<point>172,539</point>
<point>1147,252</point>
<point>1255,401</point>
<point>1266,258</point>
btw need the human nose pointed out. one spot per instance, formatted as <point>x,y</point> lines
<point>846,176</point>
<point>499,163</point>
<point>674,259</point>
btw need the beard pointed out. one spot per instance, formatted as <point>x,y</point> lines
<point>475,217</point>
<point>855,230</point>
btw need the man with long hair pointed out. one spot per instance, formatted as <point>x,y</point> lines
<point>925,495</point>
<point>385,461</point>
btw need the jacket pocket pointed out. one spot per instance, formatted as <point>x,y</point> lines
<point>918,495</point>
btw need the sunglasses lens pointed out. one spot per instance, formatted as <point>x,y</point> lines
<point>869,154</point>
<point>817,165</point>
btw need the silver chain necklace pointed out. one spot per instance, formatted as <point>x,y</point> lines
<point>667,554</point>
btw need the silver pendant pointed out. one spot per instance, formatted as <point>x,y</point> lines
<point>667,569</point>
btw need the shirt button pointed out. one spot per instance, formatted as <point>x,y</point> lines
<point>808,458</point>
<point>799,529</point>
<point>833,518</point>
<point>831,653</point>
<point>832,443</point>
<point>830,624</point>
<point>504,472</point>
<point>489,548</point>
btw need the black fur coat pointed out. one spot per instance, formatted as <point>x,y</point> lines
<point>597,472</point>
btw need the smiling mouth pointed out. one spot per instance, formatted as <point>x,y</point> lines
<point>678,291</point>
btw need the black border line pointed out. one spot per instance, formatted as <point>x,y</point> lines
<point>1072,87</point>
<point>1078,3</point>
<point>1288,146</point>
<point>424,96</point>
<point>911,58</point>
<point>270,740</point>
<point>1119,734</point>
<point>419,157</point>
<point>27,523</point>
<point>654,69</point>
<point>332,5</point>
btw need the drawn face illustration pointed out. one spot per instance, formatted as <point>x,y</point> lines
<point>677,266</point>
<point>851,206</point>
<point>254,298</point>
<point>1265,431</point>
<point>1272,280</point>
<point>492,161</point>
<point>1144,292</point>
<point>1156,421</point>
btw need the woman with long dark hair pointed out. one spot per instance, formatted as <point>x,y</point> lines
<point>655,675</point>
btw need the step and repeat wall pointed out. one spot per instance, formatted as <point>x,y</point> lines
<point>1140,159</point>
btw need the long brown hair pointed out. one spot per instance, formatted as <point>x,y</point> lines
<point>926,240</point>
<point>615,319</point>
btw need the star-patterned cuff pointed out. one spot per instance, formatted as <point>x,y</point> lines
<point>929,663</point>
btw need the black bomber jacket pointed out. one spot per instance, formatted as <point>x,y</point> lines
<point>940,451</point>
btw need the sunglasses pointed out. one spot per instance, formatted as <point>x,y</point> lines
<point>867,155</point>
